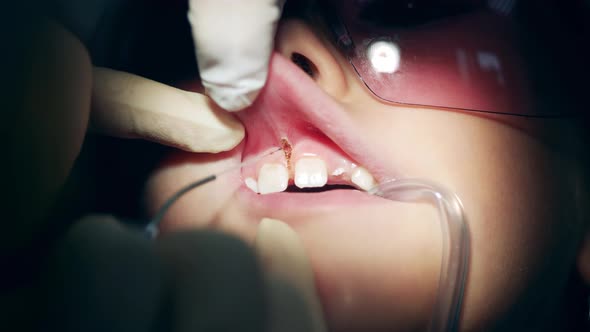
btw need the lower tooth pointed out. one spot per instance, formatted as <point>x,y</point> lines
<point>272,178</point>
<point>362,178</point>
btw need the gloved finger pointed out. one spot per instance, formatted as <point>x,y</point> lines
<point>103,277</point>
<point>130,106</point>
<point>234,41</point>
<point>293,300</point>
<point>215,282</point>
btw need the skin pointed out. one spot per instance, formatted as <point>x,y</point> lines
<point>52,266</point>
<point>518,181</point>
<point>522,189</point>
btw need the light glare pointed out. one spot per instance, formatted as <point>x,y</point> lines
<point>384,56</point>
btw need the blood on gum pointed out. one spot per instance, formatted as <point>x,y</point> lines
<point>287,150</point>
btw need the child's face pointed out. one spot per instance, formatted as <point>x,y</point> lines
<point>376,262</point>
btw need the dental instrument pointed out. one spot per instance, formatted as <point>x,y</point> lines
<point>152,227</point>
<point>455,235</point>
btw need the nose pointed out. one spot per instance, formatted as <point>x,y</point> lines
<point>297,41</point>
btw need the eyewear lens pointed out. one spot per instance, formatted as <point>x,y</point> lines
<point>461,54</point>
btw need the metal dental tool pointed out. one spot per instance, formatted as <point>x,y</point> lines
<point>152,227</point>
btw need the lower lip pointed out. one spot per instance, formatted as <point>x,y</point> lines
<point>289,201</point>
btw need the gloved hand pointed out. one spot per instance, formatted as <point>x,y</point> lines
<point>234,41</point>
<point>129,106</point>
<point>106,277</point>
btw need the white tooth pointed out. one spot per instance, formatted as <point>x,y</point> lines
<point>362,178</point>
<point>252,184</point>
<point>310,172</point>
<point>272,178</point>
<point>338,171</point>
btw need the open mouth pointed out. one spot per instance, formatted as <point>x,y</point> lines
<point>325,165</point>
<point>318,185</point>
<point>323,151</point>
<point>328,187</point>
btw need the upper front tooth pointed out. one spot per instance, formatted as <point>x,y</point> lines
<point>252,184</point>
<point>362,178</point>
<point>310,172</point>
<point>272,178</point>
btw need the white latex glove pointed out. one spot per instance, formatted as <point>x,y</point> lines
<point>234,40</point>
<point>129,106</point>
<point>294,302</point>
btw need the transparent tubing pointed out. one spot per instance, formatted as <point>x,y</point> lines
<point>455,244</point>
<point>455,235</point>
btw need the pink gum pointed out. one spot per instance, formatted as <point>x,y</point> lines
<point>273,118</point>
<point>339,167</point>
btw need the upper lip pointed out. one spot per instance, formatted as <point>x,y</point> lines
<point>291,97</point>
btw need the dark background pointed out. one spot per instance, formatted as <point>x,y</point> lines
<point>151,38</point>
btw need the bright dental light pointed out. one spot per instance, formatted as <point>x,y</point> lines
<point>384,56</point>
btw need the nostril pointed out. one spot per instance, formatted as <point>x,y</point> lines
<point>305,64</point>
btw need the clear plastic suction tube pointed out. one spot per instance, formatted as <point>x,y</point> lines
<point>455,244</point>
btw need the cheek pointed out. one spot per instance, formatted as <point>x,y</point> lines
<point>515,201</point>
<point>518,208</point>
